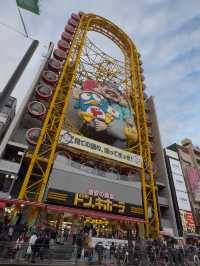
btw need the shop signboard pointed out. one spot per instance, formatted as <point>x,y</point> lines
<point>85,201</point>
<point>194,181</point>
<point>179,184</point>
<point>98,148</point>
<point>187,222</point>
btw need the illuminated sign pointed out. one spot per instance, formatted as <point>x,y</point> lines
<point>187,222</point>
<point>85,201</point>
<point>99,148</point>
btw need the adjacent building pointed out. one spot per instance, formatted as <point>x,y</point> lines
<point>189,159</point>
<point>166,208</point>
<point>7,114</point>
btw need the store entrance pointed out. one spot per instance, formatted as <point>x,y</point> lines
<point>67,225</point>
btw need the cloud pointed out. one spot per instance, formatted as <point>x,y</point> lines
<point>165,32</point>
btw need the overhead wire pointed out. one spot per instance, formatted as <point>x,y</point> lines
<point>15,30</point>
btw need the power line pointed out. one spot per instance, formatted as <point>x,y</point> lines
<point>13,29</point>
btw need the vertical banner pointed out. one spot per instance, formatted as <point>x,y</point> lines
<point>194,180</point>
<point>182,197</point>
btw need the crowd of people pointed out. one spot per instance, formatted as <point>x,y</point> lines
<point>32,244</point>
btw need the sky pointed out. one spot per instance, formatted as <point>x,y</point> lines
<point>165,32</point>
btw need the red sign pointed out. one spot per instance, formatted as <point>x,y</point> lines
<point>187,221</point>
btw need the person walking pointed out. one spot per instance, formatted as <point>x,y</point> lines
<point>99,248</point>
<point>37,249</point>
<point>10,232</point>
<point>31,246</point>
<point>112,252</point>
<point>19,247</point>
<point>79,245</point>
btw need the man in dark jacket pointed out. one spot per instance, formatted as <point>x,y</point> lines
<point>112,251</point>
<point>99,248</point>
<point>79,244</point>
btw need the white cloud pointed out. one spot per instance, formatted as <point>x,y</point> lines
<point>165,32</point>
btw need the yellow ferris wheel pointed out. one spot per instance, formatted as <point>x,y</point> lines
<point>84,60</point>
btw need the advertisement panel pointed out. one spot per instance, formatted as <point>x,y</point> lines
<point>183,200</point>
<point>179,184</point>
<point>194,180</point>
<point>176,167</point>
<point>101,110</point>
<point>99,148</point>
<point>187,222</point>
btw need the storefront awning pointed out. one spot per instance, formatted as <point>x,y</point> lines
<point>76,211</point>
<point>95,214</point>
<point>2,204</point>
<point>22,202</point>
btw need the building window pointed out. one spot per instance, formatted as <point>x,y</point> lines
<point>5,182</point>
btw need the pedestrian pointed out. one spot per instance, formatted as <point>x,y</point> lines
<point>19,247</point>
<point>79,245</point>
<point>196,259</point>
<point>90,247</point>
<point>112,251</point>
<point>31,245</point>
<point>37,249</point>
<point>10,232</point>
<point>51,249</point>
<point>99,248</point>
<point>44,250</point>
<point>125,254</point>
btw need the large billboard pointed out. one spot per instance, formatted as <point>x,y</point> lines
<point>179,184</point>
<point>99,148</point>
<point>181,194</point>
<point>102,111</point>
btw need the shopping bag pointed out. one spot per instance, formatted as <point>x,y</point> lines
<point>29,250</point>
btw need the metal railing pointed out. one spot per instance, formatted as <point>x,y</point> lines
<point>57,253</point>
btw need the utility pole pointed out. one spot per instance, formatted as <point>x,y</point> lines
<point>8,89</point>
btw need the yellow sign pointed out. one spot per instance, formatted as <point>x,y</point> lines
<point>99,204</point>
<point>99,148</point>
<point>96,203</point>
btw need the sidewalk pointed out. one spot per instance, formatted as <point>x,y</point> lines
<point>45,263</point>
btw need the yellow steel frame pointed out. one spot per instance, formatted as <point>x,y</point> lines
<point>42,157</point>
